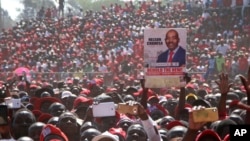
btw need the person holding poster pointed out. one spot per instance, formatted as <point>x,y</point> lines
<point>175,54</point>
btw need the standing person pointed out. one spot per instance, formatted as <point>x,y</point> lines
<point>61,7</point>
<point>175,53</point>
<point>220,63</point>
<point>243,64</point>
<point>235,66</point>
<point>211,67</point>
<point>222,47</point>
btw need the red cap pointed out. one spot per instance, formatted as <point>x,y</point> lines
<point>209,133</point>
<point>111,90</point>
<point>168,96</point>
<point>44,117</point>
<point>85,92</point>
<point>174,123</point>
<point>150,93</point>
<point>99,81</point>
<point>38,103</point>
<point>81,99</point>
<point>50,129</point>
<point>153,97</point>
<point>118,131</point>
<point>33,86</point>
<point>37,113</point>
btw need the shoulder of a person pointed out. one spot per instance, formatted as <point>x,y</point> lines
<point>180,47</point>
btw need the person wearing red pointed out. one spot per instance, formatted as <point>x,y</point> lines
<point>243,64</point>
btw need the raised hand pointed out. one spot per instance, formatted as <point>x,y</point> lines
<point>224,87</point>
<point>246,83</point>
<point>224,84</point>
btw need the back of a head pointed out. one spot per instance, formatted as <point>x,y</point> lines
<point>56,109</point>
<point>89,134</point>
<point>25,138</point>
<point>35,130</point>
<point>103,98</point>
<point>223,127</point>
<point>86,125</point>
<point>236,118</point>
<point>201,93</point>
<point>136,132</point>
<point>208,135</point>
<point>176,132</point>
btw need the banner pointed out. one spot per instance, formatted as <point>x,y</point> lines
<point>164,57</point>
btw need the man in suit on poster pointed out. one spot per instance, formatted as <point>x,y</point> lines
<point>175,54</point>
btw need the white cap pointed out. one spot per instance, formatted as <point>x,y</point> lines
<point>106,134</point>
<point>66,94</point>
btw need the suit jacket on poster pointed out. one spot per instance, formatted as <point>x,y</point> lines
<point>179,56</point>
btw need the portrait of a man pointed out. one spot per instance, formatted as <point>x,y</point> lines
<point>175,54</point>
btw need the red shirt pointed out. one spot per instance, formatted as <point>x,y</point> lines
<point>243,63</point>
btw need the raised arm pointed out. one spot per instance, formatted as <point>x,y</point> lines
<point>149,125</point>
<point>182,96</point>
<point>246,83</point>
<point>224,87</point>
<point>144,94</point>
<point>193,127</point>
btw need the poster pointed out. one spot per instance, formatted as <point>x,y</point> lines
<point>164,57</point>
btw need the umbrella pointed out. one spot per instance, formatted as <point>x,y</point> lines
<point>19,71</point>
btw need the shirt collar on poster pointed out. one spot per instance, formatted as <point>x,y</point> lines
<point>174,51</point>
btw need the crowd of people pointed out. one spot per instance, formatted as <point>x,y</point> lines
<point>110,41</point>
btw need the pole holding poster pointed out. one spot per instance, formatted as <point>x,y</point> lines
<point>164,57</point>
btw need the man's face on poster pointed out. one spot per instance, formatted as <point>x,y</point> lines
<point>172,39</point>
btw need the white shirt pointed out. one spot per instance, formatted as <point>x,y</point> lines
<point>151,130</point>
<point>102,68</point>
<point>223,49</point>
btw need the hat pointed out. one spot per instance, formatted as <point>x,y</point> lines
<point>38,103</point>
<point>85,91</point>
<point>191,95</point>
<point>174,123</point>
<point>168,96</point>
<point>201,102</point>
<point>208,133</point>
<point>44,117</point>
<point>232,96</point>
<point>41,90</point>
<point>110,89</point>
<point>150,92</point>
<point>223,126</point>
<point>66,94</point>
<point>34,86</point>
<point>37,113</point>
<point>176,131</point>
<point>80,100</point>
<point>104,135</point>
<point>118,131</point>
<point>50,129</point>
<point>153,97</point>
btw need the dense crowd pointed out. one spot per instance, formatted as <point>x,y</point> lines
<point>111,41</point>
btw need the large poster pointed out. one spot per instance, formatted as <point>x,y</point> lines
<point>164,57</point>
